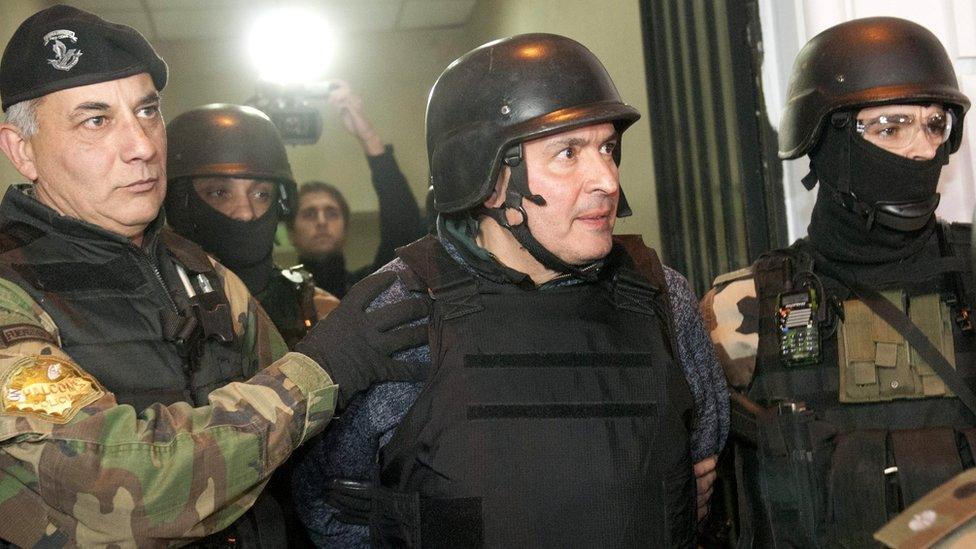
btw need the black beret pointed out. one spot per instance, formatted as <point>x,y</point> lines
<point>63,47</point>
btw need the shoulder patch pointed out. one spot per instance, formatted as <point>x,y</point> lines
<point>745,272</point>
<point>15,333</point>
<point>49,388</point>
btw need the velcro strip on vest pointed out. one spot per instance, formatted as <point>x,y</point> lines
<point>560,360</point>
<point>560,410</point>
<point>555,411</point>
<point>121,274</point>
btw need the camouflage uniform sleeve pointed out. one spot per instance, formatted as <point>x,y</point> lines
<point>78,469</point>
<point>731,314</point>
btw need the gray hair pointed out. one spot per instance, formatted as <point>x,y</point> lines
<point>23,116</point>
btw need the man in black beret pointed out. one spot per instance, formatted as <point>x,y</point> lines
<point>119,340</point>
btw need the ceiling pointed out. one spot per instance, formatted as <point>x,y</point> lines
<point>177,20</point>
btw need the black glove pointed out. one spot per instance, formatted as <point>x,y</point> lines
<point>356,347</point>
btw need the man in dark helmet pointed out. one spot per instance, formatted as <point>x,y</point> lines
<point>571,386</point>
<point>230,184</point>
<point>850,353</point>
<point>145,397</point>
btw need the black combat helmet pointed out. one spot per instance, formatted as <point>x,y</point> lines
<point>507,92</point>
<point>223,140</point>
<point>864,62</point>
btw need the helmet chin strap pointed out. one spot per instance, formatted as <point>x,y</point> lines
<point>518,189</point>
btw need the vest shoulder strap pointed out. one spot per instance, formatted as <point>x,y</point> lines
<point>646,261</point>
<point>444,279</point>
<point>17,235</point>
<point>187,253</point>
<point>741,274</point>
<point>633,293</point>
<point>775,269</point>
<point>955,241</point>
<point>210,306</point>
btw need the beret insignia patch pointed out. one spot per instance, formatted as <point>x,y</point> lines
<point>49,388</point>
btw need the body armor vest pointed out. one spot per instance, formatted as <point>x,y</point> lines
<point>122,312</point>
<point>849,440</point>
<point>288,298</point>
<point>552,418</point>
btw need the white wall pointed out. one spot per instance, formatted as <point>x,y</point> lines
<point>788,24</point>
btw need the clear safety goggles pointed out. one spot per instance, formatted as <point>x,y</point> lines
<point>898,130</point>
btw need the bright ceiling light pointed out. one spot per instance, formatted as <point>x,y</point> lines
<point>291,46</point>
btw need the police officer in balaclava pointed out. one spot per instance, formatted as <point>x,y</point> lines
<point>230,184</point>
<point>850,353</point>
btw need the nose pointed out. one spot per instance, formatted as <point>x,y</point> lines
<point>138,141</point>
<point>320,217</point>
<point>603,175</point>
<point>922,148</point>
<point>241,209</point>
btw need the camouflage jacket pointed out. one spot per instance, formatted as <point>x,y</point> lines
<point>79,469</point>
<point>731,313</point>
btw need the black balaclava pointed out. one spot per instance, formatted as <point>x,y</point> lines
<point>861,186</point>
<point>245,247</point>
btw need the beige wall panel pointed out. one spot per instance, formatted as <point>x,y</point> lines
<point>11,14</point>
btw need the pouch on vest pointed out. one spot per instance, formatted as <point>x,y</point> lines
<point>876,362</point>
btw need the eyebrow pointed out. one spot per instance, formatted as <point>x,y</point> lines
<point>149,98</point>
<point>578,141</point>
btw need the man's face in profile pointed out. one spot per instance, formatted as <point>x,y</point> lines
<point>576,174</point>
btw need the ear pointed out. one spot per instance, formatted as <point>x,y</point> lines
<point>18,151</point>
<point>497,196</point>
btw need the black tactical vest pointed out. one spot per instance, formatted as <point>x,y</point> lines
<point>553,418</point>
<point>120,309</point>
<point>288,298</point>
<point>125,316</point>
<point>814,471</point>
